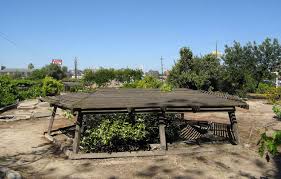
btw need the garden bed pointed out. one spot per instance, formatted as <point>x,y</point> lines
<point>192,134</point>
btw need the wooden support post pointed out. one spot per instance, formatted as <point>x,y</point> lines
<point>76,141</point>
<point>182,116</point>
<point>52,118</point>
<point>132,115</point>
<point>234,127</point>
<point>162,134</point>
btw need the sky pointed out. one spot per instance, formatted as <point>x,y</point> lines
<point>128,33</point>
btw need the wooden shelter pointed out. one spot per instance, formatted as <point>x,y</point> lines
<point>144,100</point>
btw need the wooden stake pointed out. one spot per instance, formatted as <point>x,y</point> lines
<point>76,141</point>
<point>234,127</point>
<point>52,118</point>
<point>163,143</point>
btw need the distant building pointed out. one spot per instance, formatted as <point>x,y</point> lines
<point>16,71</point>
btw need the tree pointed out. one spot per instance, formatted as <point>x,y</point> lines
<point>56,71</point>
<point>247,66</point>
<point>88,76</point>
<point>52,70</point>
<point>179,76</point>
<point>153,73</point>
<point>196,72</point>
<point>128,75</point>
<point>30,66</point>
<point>239,65</point>
<point>268,59</point>
<point>103,76</point>
<point>38,74</point>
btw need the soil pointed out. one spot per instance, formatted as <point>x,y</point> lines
<point>23,148</point>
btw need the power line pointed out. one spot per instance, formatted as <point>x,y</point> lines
<point>4,36</point>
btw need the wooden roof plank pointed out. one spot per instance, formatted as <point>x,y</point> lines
<point>126,99</point>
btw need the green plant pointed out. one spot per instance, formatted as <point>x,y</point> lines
<point>7,92</point>
<point>166,87</point>
<point>148,82</point>
<point>68,114</point>
<point>263,88</point>
<point>51,86</point>
<point>269,143</point>
<point>27,89</point>
<point>277,111</point>
<point>273,94</point>
<point>118,132</point>
<point>114,135</point>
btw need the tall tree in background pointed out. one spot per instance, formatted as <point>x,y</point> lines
<point>52,70</point>
<point>196,72</point>
<point>268,59</point>
<point>179,74</point>
<point>239,65</point>
<point>128,75</point>
<point>30,66</point>
<point>153,73</point>
<point>247,66</point>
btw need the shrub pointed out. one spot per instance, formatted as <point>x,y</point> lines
<point>150,82</point>
<point>51,86</point>
<point>114,135</point>
<point>277,111</point>
<point>27,89</point>
<point>263,88</point>
<point>166,87</point>
<point>7,92</point>
<point>117,132</point>
<point>269,143</point>
<point>273,94</point>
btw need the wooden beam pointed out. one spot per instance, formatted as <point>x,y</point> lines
<point>52,118</point>
<point>75,156</point>
<point>76,141</point>
<point>234,127</point>
<point>162,134</point>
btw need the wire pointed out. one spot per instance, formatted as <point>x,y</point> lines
<point>6,38</point>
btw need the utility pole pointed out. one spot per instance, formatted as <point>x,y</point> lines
<point>75,67</point>
<point>216,49</point>
<point>162,72</point>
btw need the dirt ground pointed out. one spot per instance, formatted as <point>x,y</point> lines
<point>23,148</point>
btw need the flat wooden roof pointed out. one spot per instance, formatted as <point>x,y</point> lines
<point>141,100</point>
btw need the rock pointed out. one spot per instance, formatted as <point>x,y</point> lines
<point>28,104</point>
<point>154,146</point>
<point>26,107</point>
<point>20,117</point>
<point>42,114</point>
<point>9,174</point>
<point>277,126</point>
<point>247,145</point>
<point>43,104</point>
